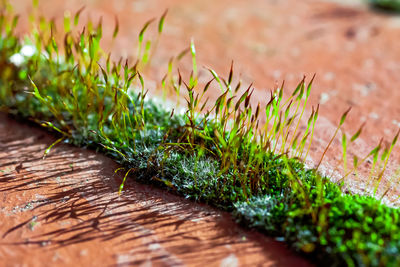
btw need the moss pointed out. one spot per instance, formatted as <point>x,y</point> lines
<point>224,158</point>
<point>393,5</point>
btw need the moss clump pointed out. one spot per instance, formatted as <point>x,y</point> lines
<point>393,5</point>
<point>221,155</point>
<point>349,230</point>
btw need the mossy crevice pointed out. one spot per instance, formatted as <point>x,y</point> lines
<point>220,156</point>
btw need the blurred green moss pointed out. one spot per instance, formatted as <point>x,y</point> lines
<point>393,5</point>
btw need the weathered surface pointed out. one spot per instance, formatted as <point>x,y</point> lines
<point>65,211</point>
<point>353,50</point>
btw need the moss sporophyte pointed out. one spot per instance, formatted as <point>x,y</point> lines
<point>219,153</point>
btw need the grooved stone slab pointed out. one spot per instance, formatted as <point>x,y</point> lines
<point>65,211</point>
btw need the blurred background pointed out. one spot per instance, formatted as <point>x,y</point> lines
<point>352,46</point>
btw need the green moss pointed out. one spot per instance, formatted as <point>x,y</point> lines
<point>349,230</point>
<point>222,156</point>
<point>386,4</point>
